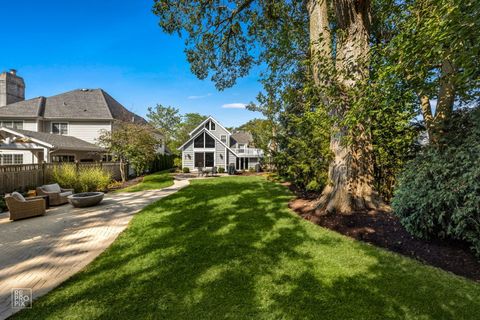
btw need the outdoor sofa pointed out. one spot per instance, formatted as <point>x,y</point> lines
<point>21,208</point>
<point>56,195</point>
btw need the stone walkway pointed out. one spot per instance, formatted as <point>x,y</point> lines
<point>42,252</point>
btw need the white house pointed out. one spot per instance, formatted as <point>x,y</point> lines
<point>212,145</point>
<point>63,127</point>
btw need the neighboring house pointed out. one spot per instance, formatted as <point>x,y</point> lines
<point>211,145</point>
<point>63,127</point>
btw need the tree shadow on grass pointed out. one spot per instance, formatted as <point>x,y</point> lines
<point>230,248</point>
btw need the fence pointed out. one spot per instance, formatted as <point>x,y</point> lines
<point>28,176</point>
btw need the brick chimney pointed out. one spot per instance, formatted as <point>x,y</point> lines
<point>12,88</point>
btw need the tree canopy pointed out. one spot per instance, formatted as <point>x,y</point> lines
<point>345,82</point>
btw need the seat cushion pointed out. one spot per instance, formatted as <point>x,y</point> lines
<point>54,187</point>
<point>18,196</point>
<point>65,194</point>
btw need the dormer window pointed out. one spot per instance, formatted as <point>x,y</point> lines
<point>60,128</point>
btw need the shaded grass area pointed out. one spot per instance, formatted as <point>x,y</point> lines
<point>230,248</point>
<point>157,180</point>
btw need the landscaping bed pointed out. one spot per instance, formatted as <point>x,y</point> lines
<point>383,229</point>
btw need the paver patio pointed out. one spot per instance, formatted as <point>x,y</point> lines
<point>40,253</point>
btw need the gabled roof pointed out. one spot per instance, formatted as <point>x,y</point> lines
<point>83,104</point>
<point>213,136</point>
<point>205,121</point>
<point>242,137</point>
<point>31,108</point>
<point>54,141</point>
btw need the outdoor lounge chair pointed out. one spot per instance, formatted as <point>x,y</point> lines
<point>21,208</point>
<point>56,195</point>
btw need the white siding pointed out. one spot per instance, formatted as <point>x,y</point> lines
<point>85,130</point>
<point>231,158</point>
<point>30,125</point>
<point>219,155</point>
<point>187,155</point>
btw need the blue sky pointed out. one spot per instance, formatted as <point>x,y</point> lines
<point>61,45</point>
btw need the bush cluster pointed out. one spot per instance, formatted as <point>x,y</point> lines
<point>86,179</point>
<point>438,194</point>
<point>186,170</point>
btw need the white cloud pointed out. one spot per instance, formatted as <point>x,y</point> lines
<point>199,97</point>
<point>237,105</point>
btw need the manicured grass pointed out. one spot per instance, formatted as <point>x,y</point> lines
<point>157,180</point>
<point>230,248</point>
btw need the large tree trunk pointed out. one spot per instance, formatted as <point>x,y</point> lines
<point>351,180</point>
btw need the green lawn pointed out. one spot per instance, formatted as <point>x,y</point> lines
<point>157,180</point>
<point>230,248</point>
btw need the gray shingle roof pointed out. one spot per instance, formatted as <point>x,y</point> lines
<point>242,137</point>
<point>60,142</point>
<point>31,108</point>
<point>85,104</point>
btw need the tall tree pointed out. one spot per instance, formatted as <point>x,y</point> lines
<point>435,48</point>
<point>131,142</point>
<point>227,38</point>
<point>165,119</point>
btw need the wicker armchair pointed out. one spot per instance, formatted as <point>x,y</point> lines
<point>21,208</point>
<point>56,195</point>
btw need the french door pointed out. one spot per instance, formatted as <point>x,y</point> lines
<point>204,159</point>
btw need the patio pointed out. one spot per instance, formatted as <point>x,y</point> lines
<point>40,253</point>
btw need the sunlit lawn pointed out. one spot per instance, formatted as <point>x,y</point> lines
<point>229,248</point>
<point>157,180</point>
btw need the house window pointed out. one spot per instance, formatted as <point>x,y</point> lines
<point>223,138</point>
<point>204,141</point>
<point>209,141</point>
<point>60,128</point>
<point>204,159</point>
<point>210,125</point>
<point>63,158</point>
<point>18,158</point>
<point>18,125</point>
<point>107,158</point>
<point>12,124</point>
<point>7,159</point>
<point>199,141</point>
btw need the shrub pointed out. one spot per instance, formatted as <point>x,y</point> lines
<point>438,192</point>
<point>186,170</point>
<point>177,162</point>
<point>93,179</point>
<point>85,180</point>
<point>221,170</point>
<point>251,169</point>
<point>65,175</point>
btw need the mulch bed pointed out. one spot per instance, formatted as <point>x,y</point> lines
<point>383,229</point>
